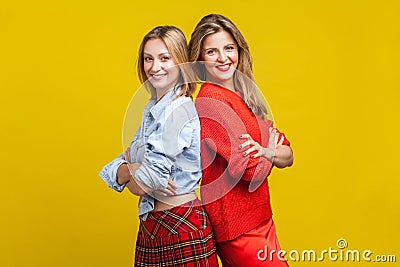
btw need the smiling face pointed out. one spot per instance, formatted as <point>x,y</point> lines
<point>159,66</point>
<point>220,52</point>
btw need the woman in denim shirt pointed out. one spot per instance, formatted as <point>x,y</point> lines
<point>162,164</point>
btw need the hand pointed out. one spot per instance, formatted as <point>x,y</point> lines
<point>125,172</point>
<point>170,190</point>
<point>280,142</point>
<point>267,152</point>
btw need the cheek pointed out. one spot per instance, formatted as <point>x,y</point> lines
<point>146,68</point>
<point>174,72</point>
<point>171,66</point>
<point>235,61</point>
<point>234,56</point>
<point>209,58</point>
<point>208,66</point>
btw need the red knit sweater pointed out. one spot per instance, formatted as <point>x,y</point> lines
<point>234,188</point>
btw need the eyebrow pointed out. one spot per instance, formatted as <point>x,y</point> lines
<point>161,54</point>
<point>206,48</point>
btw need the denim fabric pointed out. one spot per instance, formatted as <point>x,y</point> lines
<point>167,144</point>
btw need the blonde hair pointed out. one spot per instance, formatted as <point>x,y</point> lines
<point>245,85</point>
<point>175,41</point>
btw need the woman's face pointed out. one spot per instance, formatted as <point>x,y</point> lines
<point>220,52</point>
<point>159,66</point>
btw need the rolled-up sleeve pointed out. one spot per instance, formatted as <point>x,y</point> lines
<point>109,173</point>
<point>173,134</point>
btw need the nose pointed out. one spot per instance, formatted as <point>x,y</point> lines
<point>156,66</point>
<point>222,56</point>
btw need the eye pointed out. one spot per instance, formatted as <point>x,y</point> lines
<point>210,52</point>
<point>165,58</point>
<point>230,48</point>
<point>147,59</point>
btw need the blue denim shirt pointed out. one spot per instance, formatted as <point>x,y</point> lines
<point>167,144</point>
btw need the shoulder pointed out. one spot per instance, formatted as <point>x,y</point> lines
<point>181,106</point>
<point>214,96</point>
<point>209,90</point>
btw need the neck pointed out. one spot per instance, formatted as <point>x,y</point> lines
<point>229,84</point>
<point>160,93</point>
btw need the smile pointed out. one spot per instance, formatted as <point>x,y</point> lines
<point>158,77</point>
<point>224,68</point>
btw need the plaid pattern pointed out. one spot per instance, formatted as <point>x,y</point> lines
<point>181,236</point>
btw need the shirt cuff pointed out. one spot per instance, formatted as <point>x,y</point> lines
<point>109,174</point>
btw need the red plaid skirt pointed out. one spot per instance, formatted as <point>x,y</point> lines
<point>181,236</point>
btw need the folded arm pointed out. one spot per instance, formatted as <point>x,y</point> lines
<point>173,134</point>
<point>222,127</point>
<point>277,152</point>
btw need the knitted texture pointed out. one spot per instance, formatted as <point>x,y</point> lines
<point>234,187</point>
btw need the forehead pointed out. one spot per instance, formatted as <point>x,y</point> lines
<point>155,47</point>
<point>217,39</point>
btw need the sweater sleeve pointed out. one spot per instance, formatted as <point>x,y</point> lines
<point>222,123</point>
<point>286,142</point>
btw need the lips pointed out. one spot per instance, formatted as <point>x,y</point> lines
<point>223,68</point>
<point>158,76</point>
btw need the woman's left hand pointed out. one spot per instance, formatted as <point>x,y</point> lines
<point>170,190</point>
<point>267,152</point>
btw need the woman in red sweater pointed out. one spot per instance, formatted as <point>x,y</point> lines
<point>239,146</point>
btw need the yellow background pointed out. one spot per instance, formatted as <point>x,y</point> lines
<point>329,69</point>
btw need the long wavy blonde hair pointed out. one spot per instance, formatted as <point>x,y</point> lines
<point>245,84</point>
<point>175,41</point>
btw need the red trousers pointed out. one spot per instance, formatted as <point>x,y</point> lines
<point>258,247</point>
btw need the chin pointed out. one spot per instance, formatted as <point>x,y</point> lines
<point>162,86</point>
<point>224,78</point>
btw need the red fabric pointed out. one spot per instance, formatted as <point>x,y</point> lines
<point>181,236</point>
<point>234,188</point>
<point>257,248</point>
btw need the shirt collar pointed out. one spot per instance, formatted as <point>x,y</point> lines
<point>164,101</point>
